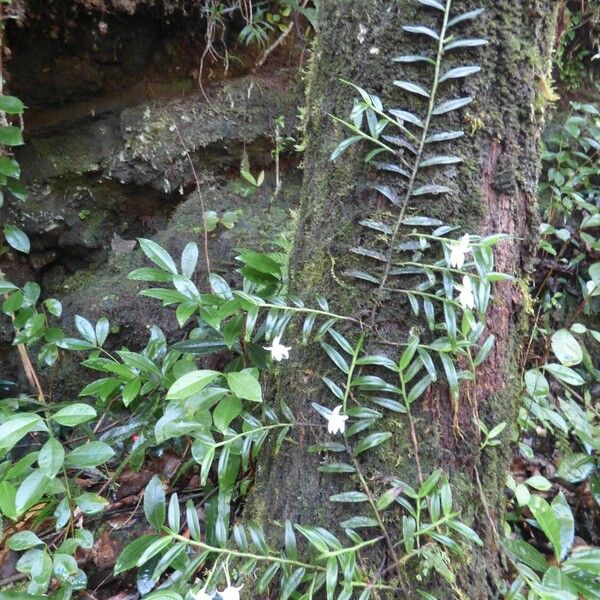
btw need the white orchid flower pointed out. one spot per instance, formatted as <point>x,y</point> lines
<point>466,297</point>
<point>458,251</point>
<point>202,595</point>
<point>336,422</point>
<point>278,350</point>
<point>231,593</point>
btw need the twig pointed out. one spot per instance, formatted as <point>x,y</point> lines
<point>30,372</point>
<point>377,515</point>
<point>260,62</point>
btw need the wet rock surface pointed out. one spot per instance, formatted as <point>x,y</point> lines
<point>108,160</point>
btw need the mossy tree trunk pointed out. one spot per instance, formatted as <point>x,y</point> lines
<point>493,190</point>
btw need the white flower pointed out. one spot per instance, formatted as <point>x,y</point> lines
<point>458,251</point>
<point>335,421</point>
<point>466,297</point>
<point>202,595</point>
<point>231,593</point>
<point>278,350</point>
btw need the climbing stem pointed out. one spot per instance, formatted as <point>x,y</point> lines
<point>417,163</point>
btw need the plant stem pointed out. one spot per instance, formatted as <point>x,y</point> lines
<point>377,515</point>
<point>269,558</point>
<point>245,433</point>
<point>313,311</point>
<point>417,163</point>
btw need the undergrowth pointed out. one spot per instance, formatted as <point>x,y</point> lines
<point>61,460</point>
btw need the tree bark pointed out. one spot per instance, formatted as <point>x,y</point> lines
<point>493,190</point>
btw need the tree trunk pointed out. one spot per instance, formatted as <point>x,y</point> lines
<point>493,190</point>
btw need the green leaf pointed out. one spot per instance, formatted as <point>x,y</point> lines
<point>431,189</point>
<point>31,490</point>
<point>90,503</point>
<point>8,495</point>
<point>421,30</point>
<point>548,523</point>
<point>472,14</point>
<point>138,361</point>
<point>331,576</point>
<point>11,105</point>
<point>291,547</point>
<point>336,357</point>
<point>244,384</point>
<point>9,167</point>
<point>359,522</point>
<point>51,457</point>
<point>421,222</point>
<point>450,105</point>
<point>23,541</point>
<point>173,514</point>
<point>154,503</point>
<point>158,255</point>
<point>17,189</point>
<point>465,43</point>
<point>189,259</point>
<point>150,274</point>
<point>429,483</point>
<point>527,554</point>
<point>444,136</point>
<point>193,522</point>
<point>73,415</point>
<point>539,482</point>
<point>267,577</point>
<point>418,389</point>
<point>584,560</point>
<point>260,262</point>
<point>344,145</point>
<point>565,374</point>
<point>439,160</point>
<point>16,238</point>
<point>413,58</point>
<point>575,467</point>
<point>432,4</point>
<point>451,374</point>
<point>314,538</point>
<point>90,455</point>
<point>75,344</point>
<point>459,72</point>
<point>349,497</point>
<point>371,441</point>
<point>562,512</point>
<point>566,348</point>
<point>132,552</point>
<point>226,411</point>
<point>190,384</point>
<point>336,468</point>
<point>404,115</point>
<point>220,287</point>
<point>53,306</point>
<point>484,350</point>
<point>466,532</point>
<point>11,135</point>
<point>413,88</point>
<point>85,329</point>
<point>12,430</point>
<point>291,584</point>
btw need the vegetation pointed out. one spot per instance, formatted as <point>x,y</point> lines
<point>207,396</point>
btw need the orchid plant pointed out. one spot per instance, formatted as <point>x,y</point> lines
<point>227,421</point>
